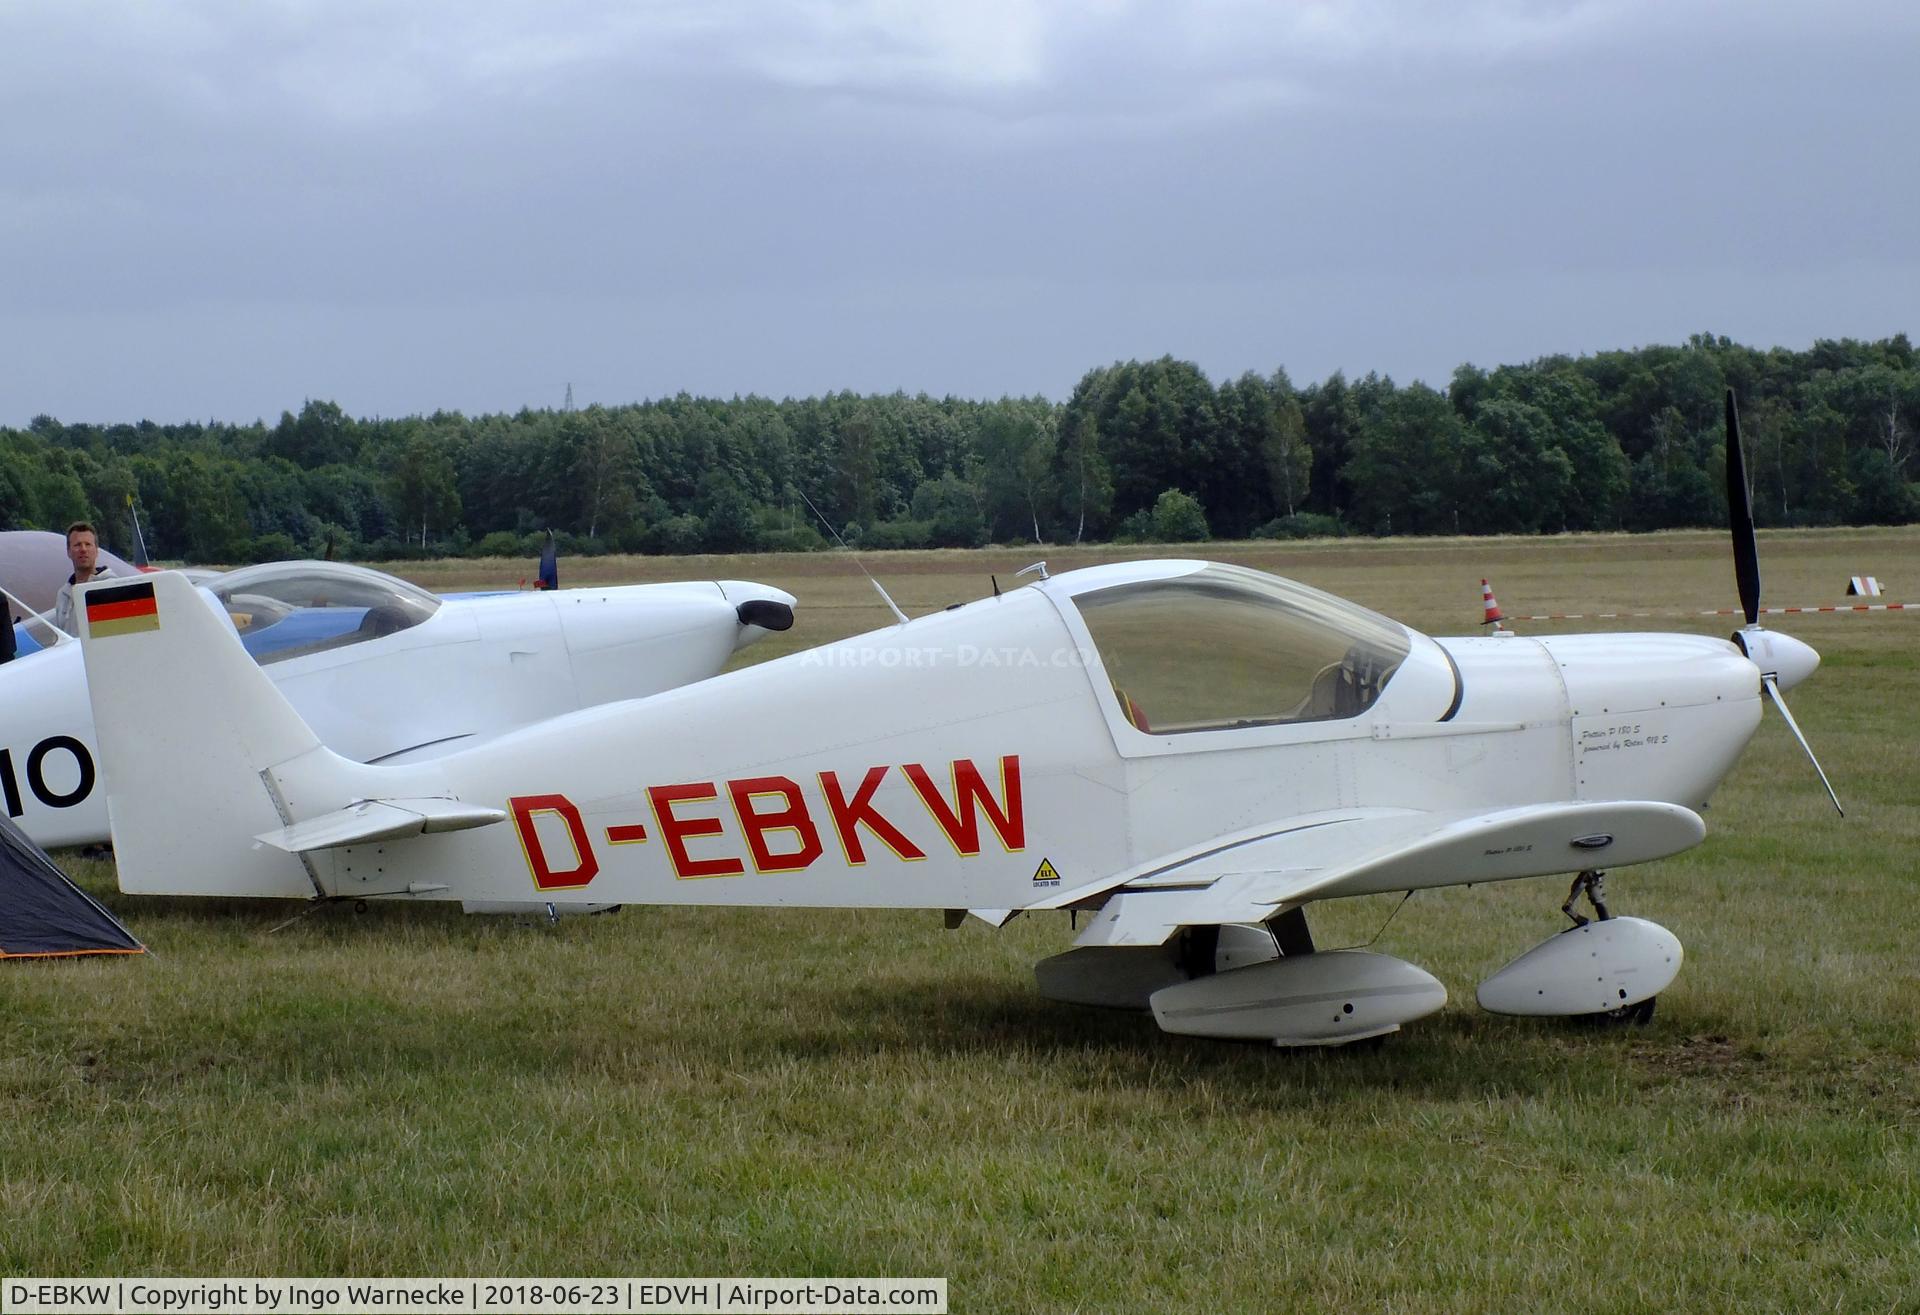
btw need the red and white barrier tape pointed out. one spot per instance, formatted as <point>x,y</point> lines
<point>1722,611</point>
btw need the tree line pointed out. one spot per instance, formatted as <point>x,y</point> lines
<point>1142,451</point>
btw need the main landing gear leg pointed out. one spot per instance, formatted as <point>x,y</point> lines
<point>1197,951</point>
<point>1290,933</point>
<point>1593,884</point>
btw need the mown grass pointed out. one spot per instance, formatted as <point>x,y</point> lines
<point>688,1091</point>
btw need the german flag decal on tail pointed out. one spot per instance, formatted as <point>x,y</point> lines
<point>124,609</point>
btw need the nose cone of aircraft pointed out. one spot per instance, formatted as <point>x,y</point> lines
<point>1778,655</point>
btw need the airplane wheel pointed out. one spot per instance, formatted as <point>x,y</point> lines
<point>1634,1015</point>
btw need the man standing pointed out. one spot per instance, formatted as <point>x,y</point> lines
<point>83,550</point>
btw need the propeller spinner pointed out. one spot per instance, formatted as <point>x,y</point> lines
<point>1783,660</point>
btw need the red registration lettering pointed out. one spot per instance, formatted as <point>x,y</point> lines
<point>961,822</point>
<point>849,816</point>
<point>676,831</point>
<point>793,816</point>
<point>585,865</point>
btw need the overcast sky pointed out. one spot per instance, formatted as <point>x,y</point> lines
<point>215,210</point>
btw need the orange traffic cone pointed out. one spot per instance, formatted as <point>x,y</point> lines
<point>1492,617</point>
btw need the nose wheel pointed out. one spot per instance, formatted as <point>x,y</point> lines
<point>1634,1015</point>
<point>1593,885</point>
<point>1604,970</point>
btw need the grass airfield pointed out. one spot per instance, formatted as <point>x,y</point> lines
<point>408,1091</point>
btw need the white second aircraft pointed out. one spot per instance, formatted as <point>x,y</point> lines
<point>381,669</point>
<point>1192,752</point>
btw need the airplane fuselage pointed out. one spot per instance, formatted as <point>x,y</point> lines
<point>808,780</point>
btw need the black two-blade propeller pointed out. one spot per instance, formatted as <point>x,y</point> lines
<point>1768,651</point>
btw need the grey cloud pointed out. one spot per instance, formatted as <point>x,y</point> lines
<point>444,205</point>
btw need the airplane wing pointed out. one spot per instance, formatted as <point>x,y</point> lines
<point>1252,876</point>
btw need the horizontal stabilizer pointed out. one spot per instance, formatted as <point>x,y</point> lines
<point>1372,851</point>
<point>379,819</point>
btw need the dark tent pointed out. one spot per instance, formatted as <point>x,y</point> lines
<point>42,913</point>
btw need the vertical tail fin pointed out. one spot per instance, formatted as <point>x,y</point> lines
<point>189,727</point>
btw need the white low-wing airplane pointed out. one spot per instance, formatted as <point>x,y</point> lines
<point>1192,752</point>
<point>382,670</point>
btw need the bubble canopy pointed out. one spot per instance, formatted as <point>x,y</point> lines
<point>1225,647</point>
<point>289,609</point>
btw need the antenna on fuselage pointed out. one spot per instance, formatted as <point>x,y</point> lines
<point>892,606</point>
<point>139,540</point>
